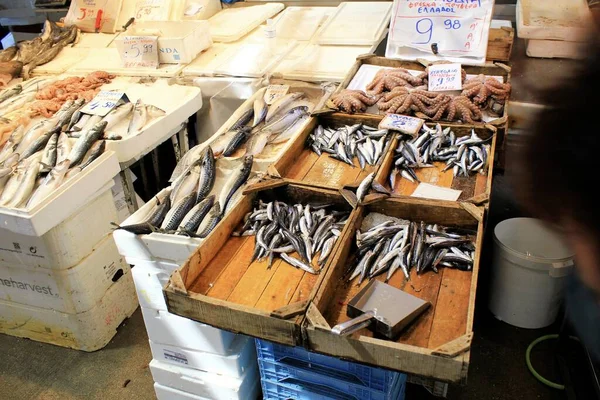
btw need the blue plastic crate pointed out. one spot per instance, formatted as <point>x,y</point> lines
<point>324,377</point>
<point>297,390</point>
<point>371,377</point>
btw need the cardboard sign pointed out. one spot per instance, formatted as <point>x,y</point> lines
<point>402,123</point>
<point>103,103</point>
<point>274,92</point>
<point>441,28</point>
<point>139,51</point>
<point>444,77</point>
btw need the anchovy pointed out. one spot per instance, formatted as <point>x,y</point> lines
<point>298,263</point>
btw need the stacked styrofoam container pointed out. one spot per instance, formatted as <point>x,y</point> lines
<point>68,285</point>
<point>191,360</point>
<point>293,372</point>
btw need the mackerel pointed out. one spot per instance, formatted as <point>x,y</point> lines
<point>215,217</point>
<point>178,212</point>
<point>235,181</point>
<point>196,215</point>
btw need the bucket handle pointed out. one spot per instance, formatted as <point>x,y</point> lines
<point>561,269</point>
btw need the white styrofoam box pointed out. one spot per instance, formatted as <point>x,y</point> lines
<point>167,328</point>
<point>150,278</point>
<point>240,358</point>
<point>87,331</point>
<point>356,23</point>
<point>108,60</point>
<point>230,24</point>
<point>74,290</point>
<point>205,384</point>
<point>200,9</point>
<point>63,202</point>
<point>178,41</point>
<point>167,393</point>
<point>178,101</point>
<point>556,49</point>
<point>568,20</point>
<point>67,243</point>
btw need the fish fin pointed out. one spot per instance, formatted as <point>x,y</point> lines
<point>116,226</point>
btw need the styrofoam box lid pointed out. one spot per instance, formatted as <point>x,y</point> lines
<point>165,29</point>
<point>64,201</point>
<point>109,60</point>
<point>164,373</point>
<point>231,24</point>
<point>356,23</point>
<point>320,63</point>
<point>64,60</point>
<point>556,20</point>
<point>301,23</point>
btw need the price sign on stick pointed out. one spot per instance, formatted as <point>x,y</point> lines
<point>402,123</point>
<point>274,92</point>
<point>440,29</point>
<point>139,51</point>
<point>444,77</point>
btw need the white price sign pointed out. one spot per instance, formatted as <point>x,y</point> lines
<point>402,123</point>
<point>447,28</point>
<point>103,103</point>
<point>444,77</point>
<point>139,51</point>
<point>274,92</point>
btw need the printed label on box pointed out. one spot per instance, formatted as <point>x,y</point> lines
<point>175,356</point>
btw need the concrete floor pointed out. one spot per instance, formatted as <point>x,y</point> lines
<point>31,370</point>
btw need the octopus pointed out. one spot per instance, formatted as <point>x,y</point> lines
<point>481,88</point>
<point>402,100</point>
<point>352,101</point>
<point>388,79</point>
<point>463,109</point>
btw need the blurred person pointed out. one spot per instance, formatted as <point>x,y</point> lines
<point>557,179</point>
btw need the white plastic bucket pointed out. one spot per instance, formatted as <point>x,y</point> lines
<point>529,269</point>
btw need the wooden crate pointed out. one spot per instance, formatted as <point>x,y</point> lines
<point>437,345</point>
<point>492,69</point>
<point>219,286</point>
<point>301,164</point>
<point>476,188</point>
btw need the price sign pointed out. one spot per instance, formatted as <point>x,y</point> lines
<point>104,102</point>
<point>447,28</point>
<point>139,51</point>
<point>445,77</point>
<point>402,123</point>
<point>274,92</point>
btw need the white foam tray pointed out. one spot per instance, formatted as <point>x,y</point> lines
<point>67,57</point>
<point>231,24</point>
<point>316,63</point>
<point>179,102</point>
<point>87,331</point>
<point>301,23</point>
<point>95,40</point>
<point>108,59</point>
<point>171,329</point>
<point>356,24</point>
<point>66,244</point>
<point>253,56</point>
<point>63,202</point>
<point>240,357</point>
<point>74,290</point>
<point>170,379</point>
<point>566,20</point>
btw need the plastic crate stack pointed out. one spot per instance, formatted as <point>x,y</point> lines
<point>191,360</point>
<point>64,282</point>
<point>295,373</point>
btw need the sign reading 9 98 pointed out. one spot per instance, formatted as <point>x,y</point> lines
<point>445,27</point>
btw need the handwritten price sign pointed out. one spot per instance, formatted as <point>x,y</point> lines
<point>447,28</point>
<point>103,103</point>
<point>139,51</point>
<point>402,123</point>
<point>274,92</point>
<point>444,77</point>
